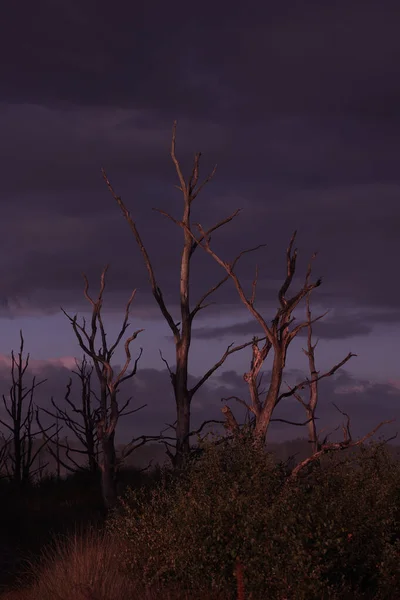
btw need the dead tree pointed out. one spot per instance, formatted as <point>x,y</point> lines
<point>19,407</point>
<point>181,331</point>
<point>81,419</point>
<point>278,335</point>
<point>312,383</point>
<point>109,409</point>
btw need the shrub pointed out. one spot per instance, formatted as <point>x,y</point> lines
<point>340,526</point>
<point>190,529</point>
<point>331,534</point>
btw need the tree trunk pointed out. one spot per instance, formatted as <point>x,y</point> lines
<point>17,475</point>
<point>108,472</point>
<point>312,431</point>
<point>264,418</point>
<point>262,423</point>
<point>182,431</point>
<point>182,399</point>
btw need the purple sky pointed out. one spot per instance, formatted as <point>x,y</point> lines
<point>298,103</point>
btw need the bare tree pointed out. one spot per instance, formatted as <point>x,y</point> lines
<point>312,383</point>
<point>278,335</point>
<point>19,407</point>
<point>181,331</point>
<point>81,419</point>
<point>109,409</point>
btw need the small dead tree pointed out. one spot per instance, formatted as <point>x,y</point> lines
<point>312,383</point>
<point>181,331</point>
<point>81,419</point>
<point>19,407</point>
<point>109,409</point>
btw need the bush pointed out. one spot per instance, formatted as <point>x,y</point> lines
<point>331,534</point>
<point>190,529</point>
<point>340,527</point>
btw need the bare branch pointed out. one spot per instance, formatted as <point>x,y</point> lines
<point>199,306</point>
<point>306,382</point>
<point>204,424</point>
<point>189,188</point>
<point>293,422</point>
<point>227,352</point>
<point>240,401</point>
<point>155,289</point>
<point>254,287</point>
<point>175,160</point>
<point>336,446</point>
<point>171,374</point>
<point>206,235</point>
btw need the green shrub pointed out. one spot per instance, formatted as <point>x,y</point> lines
<point>331,534</point>
<point>339,526</point>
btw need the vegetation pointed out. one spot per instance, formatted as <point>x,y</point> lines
<point>332,533</point>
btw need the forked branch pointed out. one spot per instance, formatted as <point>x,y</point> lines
<point>346,443</point>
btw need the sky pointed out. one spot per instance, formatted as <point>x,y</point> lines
<point>297,104</point>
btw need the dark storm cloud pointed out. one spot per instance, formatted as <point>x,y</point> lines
<point>309,57</point>
<point>298,105</point>
<point>92,54</point>
<point>338,327</point>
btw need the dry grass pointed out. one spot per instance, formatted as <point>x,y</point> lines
<point>81,567</point>
<point>85,567</point>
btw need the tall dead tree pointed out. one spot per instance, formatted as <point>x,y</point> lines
<point>109,408</point>
<point>182,331</point>
<point>21,453</point>
<point>81,418</point>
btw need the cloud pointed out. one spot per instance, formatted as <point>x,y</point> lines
<point>318,59</point>
<point>339,326</point>
<point>59,219</point>
<point>366,401</point>
<point>38,366</point>
<point>302,121</point>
